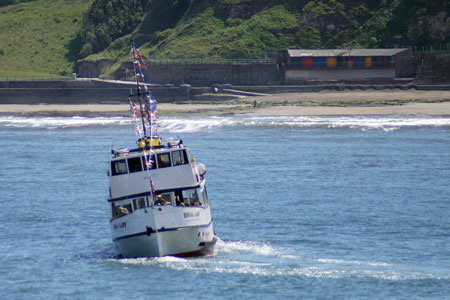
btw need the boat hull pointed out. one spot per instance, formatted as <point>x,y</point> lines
<point>189,241</point>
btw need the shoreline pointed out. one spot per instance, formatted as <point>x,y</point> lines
<point>103,110</point>
<point>325,103</point>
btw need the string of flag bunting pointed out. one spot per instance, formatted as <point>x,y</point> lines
<point>146,117</point>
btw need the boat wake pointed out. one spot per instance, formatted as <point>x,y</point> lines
<point>261,259</point>
<point>245,247</point>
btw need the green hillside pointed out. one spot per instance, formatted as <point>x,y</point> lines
<point>47,37</point>
<point>37,38</point>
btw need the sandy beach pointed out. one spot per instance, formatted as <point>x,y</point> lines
<point>387,102</point>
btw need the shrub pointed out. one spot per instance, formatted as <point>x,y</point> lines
<point>234,22</point>
<point>107,20</point>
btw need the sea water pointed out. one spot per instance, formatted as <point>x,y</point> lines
<point>304,208</point>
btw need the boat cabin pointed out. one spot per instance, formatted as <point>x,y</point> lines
<point>134,164</point>
<point>174,176</point>
<point>176,198</point>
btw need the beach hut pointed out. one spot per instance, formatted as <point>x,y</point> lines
<point>346,64</point>
<point>359,62</point>
<point>331,62</point>
<point>308,62</point>
<point>319,62</point>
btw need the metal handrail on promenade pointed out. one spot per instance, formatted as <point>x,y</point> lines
<point>203,61</point>
<point>33,78</point>
<point>431,48</point>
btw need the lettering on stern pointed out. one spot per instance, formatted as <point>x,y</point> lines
<point>191,215</point>
<point>120,226</point>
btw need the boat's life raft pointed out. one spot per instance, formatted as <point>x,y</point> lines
<point>147,143</point>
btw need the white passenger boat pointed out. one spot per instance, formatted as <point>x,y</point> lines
<point>158,200</point>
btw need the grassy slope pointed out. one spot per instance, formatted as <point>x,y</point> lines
<point>36,38</point>
<point>206,35</point>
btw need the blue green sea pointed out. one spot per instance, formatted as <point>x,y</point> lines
<point>304,208</point>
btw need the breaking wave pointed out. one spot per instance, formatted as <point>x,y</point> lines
<point>195,124</point>
<point>61,122</point>
<point>304,122</point>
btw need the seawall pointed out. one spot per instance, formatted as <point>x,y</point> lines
<point>86,91</point>
<point>111,91</point>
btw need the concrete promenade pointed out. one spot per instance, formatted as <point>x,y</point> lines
<point>98,91</point>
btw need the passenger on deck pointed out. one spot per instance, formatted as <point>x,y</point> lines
<point>161,201</point>
<point>123,211</point>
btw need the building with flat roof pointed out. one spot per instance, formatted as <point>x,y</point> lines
<point>346,64</point>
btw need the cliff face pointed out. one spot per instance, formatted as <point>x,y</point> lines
<point>252,28</point>
<point>51,41</point>
<point>436,27</point>
<point>433,68</point>
<point>91,68</point>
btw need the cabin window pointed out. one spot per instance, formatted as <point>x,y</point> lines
<point>164,199</point>
<point>144,162</point>
<point>146,159</point>
<point>205,195</point>
<point>187,198</point>
<point>121,208</point>
<point>179,201</point>
<point>115,209</point>
<point>164,160</point>
<point>126,205</point>
<point>134,164</point>
<point>179,157</point>
<point>139,203</point>
<point>167,197</point>
<point>119,167</point>
<point>191,197</point>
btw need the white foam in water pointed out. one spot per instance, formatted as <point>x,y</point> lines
<point>354,122</point>
<point>61,122</point>
<point>372,122</point>
<point>153,261</point>
<point>251,247</point>
<point>218,264</point>
<point>211,123</point>
<point>264,260</point>
<point>352,262</point>
<point>195,124</point>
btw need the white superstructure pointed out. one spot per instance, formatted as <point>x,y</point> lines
<point>161,209</point>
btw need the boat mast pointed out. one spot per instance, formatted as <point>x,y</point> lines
<point>139,67</point>
<point>139,76</point>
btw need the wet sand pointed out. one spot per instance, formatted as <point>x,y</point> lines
<point>388,102</point>
<point>410,109</point>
